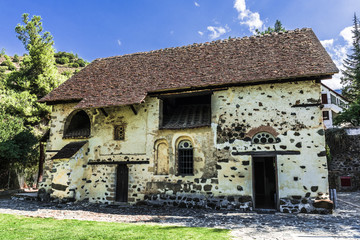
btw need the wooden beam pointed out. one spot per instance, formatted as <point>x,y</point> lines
<point>104,112</point>
<point>133,109</point>
<point>307,105</point>
<point>244,83</point>
<point>266,153</point>
<point>119,162</point>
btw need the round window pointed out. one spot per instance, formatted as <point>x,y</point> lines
<point>263,138</point>
<point>185,144</point>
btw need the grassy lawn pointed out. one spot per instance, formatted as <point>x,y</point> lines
<point>18,227</point>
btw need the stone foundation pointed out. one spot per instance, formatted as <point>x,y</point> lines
<point>298,204</point>
<point>345,160</point>
<point>243,203</point>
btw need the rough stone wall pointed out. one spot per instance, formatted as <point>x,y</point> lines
<point>240,112</point>
<point>345,162</point>
<point>222,173</point>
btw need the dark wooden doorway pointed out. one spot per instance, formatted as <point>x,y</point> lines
<point>264,182</point>
<point>122,183</point>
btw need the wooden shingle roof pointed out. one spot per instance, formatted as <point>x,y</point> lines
<point>127,79</point>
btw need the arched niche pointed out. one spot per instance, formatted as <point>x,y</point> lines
<point>77,125</point>
<point>161,157</point>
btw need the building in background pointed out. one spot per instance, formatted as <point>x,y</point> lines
<point>333,102</point>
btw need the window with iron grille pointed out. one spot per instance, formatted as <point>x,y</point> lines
<point>185,158</point>
<point>119,132</point>
<point>77,125</point>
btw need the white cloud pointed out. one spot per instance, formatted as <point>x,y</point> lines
<point>327,43</point>
<point>172,32</point>
<point>197,4</point>
<point>347,35</point>
<point>247,17</point>
<point>338,52</point>
<point>200,33</point>
<point>217,31</point>
<point>119,42</point>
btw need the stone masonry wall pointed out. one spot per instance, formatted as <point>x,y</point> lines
<point>345,162</point>
<point>223,171</point>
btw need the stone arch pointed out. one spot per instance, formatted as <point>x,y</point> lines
<point>161,157</point>
<point>77,125</point>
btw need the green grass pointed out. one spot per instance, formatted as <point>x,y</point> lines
<point>18,227</point>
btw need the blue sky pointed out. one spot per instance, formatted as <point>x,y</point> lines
<point>96,29</point>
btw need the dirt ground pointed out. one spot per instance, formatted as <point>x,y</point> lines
<point>343,224</point>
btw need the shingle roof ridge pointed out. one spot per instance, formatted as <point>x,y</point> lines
<point>205,43</point>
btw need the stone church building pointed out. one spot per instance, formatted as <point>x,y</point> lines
<point>234,124</point>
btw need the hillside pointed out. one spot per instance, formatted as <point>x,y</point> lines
<point>66,63</point>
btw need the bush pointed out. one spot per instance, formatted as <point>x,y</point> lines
<point>8,63</point>
<point>16,58</point>
<point>67,74</point>
<point>12,67</point>
<point>75,65</point>
<point>81,62</point>
<point>62,60</point>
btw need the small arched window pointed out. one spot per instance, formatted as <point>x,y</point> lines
<point>185,158</point>
<point>263,138</point>
<point>77,126</point>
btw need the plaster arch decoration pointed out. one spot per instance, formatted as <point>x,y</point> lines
<point>262,128</point>
<point>77,125</point>
<point>161,157</point>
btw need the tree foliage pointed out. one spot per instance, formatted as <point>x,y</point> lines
<point>17,142</point>
<point>20,113</point>
<point>39,66</point>
<point>351,72</point>
<point>277,28</point>
<point>351,80</point>
<point>350,115</point>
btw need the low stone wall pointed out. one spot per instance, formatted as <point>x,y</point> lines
<point>298,204</point>
<point>243,203</point>
<point>345,160</point>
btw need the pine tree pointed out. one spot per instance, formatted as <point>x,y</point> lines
<point>277,28</point>
<point>351,72</point>
<point>351,81</point>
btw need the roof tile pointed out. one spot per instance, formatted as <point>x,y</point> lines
<point>127,79</point>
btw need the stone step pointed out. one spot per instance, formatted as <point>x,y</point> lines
<point>30,196</point>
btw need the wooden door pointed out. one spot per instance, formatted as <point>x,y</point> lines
<point>122,183</point>
<point>265,182</point>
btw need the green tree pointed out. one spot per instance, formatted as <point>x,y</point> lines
<point>39,67</point>
<point>2,52</point>
<point>16,58</point>
<point>351,80</point>
<point>277,28</point>
<point>351,72</point>
<point>350,115</point>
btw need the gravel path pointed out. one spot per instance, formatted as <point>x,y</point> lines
<point>343,224</point>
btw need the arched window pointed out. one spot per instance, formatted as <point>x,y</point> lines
<point>185,158</point>
<point>263,138</point>
<point>77,126</point>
